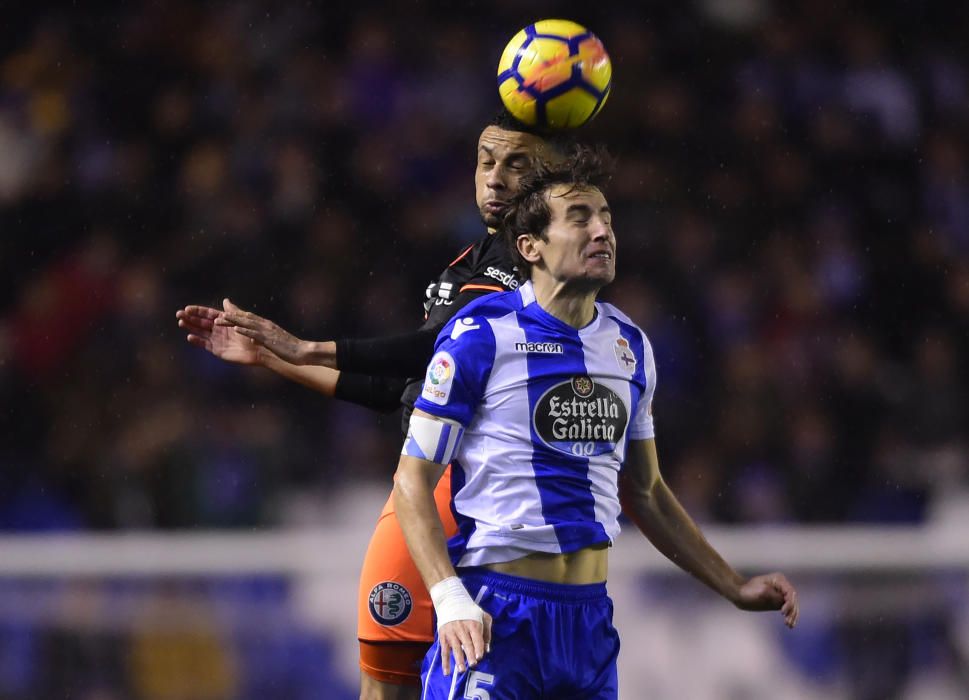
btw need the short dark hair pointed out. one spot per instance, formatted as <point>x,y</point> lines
<point>561,141</point>
<point>529,213</point>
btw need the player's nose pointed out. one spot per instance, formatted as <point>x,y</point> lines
<point>601,231</point>
<point>496,178</point>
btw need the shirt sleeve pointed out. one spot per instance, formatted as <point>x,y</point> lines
<point>642,425</point>
<point>403,355</point>
<point>456,377</point>
<point>376,393</point>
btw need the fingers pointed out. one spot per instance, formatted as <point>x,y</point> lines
<point>791,609</point>
<point>451,649</point>
<point>195,321</point>
<point>486,633</point>
<point>788,598</point>
<point>206,312</point>
<point>445,657</point>
<point>227,316</point>
<point>196,328</point>
<point>199,342</point>
<point>464,639</point>
<point>254,336</point>
<point>460,643</point>
<point>234,316</point>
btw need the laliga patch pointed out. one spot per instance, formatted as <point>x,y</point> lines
<point>624,355</point>
<point>389,603</point>
<point>437,383</point>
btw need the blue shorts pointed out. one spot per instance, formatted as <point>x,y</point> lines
<point>548,641</point>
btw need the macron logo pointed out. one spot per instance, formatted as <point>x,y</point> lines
<point>547,348</point>
<point>463,326</point>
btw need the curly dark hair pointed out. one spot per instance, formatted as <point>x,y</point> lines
<point>529,214</point>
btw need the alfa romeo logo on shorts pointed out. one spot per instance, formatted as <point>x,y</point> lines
<point>390,603</point>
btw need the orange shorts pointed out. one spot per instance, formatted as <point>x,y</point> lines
<point>395,618</point>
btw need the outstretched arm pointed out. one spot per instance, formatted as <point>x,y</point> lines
<point>651,505</point>
<point>403,355</point>
<point>227,343</point>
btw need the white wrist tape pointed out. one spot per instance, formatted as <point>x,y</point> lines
<point>432,439</point>
<point>452,602</point>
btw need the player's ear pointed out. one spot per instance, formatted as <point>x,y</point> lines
<point>528,248</point>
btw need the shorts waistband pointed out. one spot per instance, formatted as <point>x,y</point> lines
<point>474,578</point>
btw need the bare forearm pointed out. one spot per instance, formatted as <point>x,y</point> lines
<point>317,378</point>
<point>417,515</point>
<point>673,532</point>
<point>321,353</point>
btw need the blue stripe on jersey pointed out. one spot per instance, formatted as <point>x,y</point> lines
<point>458,544</point>
<point>562,480</point>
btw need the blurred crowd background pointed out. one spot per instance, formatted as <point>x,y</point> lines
<point>791,206</point>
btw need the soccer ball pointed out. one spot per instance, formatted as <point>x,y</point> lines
<point>554,74</point>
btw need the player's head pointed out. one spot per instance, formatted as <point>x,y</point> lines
<point>560,224</point>
<point>507,150</point>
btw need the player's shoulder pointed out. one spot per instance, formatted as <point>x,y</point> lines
<point>493,305</point>
<point>475,327</point>
<point>614,313</point>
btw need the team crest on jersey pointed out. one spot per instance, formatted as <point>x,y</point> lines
<point>390,603</point>
<point>624,355</point>
<point>582,386</point>
<point>580,417</point>
<point>437,383</point>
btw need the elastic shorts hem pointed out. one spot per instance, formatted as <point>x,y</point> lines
<point>473,578</point>
<point>396,663</point>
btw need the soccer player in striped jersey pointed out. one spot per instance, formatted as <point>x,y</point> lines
<point>395,616</point>
<point>540,400</point>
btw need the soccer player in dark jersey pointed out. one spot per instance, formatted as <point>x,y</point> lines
<point>540,402</point>
<point>395,623</point>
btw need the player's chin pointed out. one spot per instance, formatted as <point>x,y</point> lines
<point>594,281</point>
<point>602,274</point>
<point>491,218</point>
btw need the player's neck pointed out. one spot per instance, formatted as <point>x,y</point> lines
<point>575,307</point>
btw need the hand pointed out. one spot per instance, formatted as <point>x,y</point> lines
<point>224,342</point>
<point>770,592</point>
<point>468,640</point>
<point>265,333</point>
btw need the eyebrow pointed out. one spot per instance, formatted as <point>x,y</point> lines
<point>585,209</point>
<point>522,153</point>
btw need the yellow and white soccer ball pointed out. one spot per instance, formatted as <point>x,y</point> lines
<point>554,74</point>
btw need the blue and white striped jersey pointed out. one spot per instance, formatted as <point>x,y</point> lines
<point>548,411</point>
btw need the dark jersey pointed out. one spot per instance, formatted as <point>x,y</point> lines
<point>373,370</point>
<point>482,268</point>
